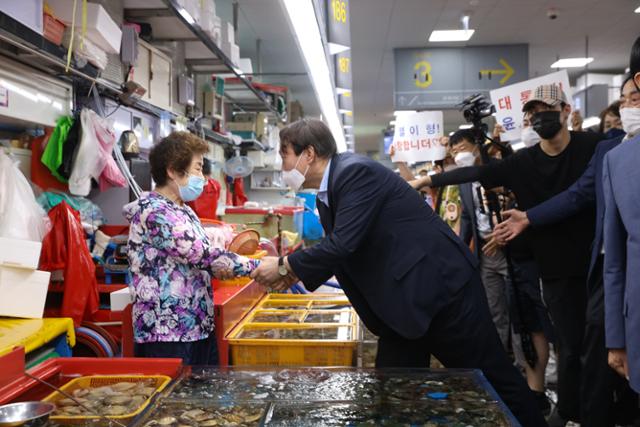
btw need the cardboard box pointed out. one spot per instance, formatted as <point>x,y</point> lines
<point>101,29</point>
<point>120,299</point>
<point>24,292</point>
<point>19,253</point>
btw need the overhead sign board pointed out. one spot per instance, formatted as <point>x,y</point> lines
<point>338,25</point>
<point>433,78</point>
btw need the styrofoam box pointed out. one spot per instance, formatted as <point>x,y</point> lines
<point>24,292</point>
<point>27,12</point>
<point>235,54</point>
<point>228,33</point>
<point>120,299</point>
<point>101,29</point>
<point>19,253</point>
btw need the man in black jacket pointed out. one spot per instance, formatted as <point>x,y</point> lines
<point>536,174</point>
<point>411,280</point>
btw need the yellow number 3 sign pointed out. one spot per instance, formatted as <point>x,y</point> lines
<point>422,75</point>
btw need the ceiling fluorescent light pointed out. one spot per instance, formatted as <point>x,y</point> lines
<point>637,10</point>
<point>571,62</point>
<point>451,35</point>
<point>467,126</point>
<point>303,22</point>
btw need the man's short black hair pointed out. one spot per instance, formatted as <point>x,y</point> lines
<point>308,133</point>
<point>460,136</point>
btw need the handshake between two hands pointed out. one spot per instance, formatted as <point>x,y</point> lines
<point>268,275</point>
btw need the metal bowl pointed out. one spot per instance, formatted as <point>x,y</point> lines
<point>31,414</point>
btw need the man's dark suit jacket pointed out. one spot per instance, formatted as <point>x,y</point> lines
<point>395,259</point>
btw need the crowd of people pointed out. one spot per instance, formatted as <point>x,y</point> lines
<point>553,231</point>
<point>560,266</point>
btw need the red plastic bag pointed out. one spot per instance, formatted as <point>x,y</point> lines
<point>64,248</point>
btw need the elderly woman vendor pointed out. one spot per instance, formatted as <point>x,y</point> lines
<point>171,258</point>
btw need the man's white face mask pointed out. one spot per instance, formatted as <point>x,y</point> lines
<point>630,117</point>
<point>294,178</point>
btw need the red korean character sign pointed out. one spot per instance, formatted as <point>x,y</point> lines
<point>509,101</point>
<point>417,137</point>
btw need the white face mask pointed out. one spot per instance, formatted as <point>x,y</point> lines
<point>529,136</point>
<point>630,117</point>
<point>464,159</point>
<point>294,178</point>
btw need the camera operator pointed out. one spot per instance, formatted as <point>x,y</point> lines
<point>536,174</point>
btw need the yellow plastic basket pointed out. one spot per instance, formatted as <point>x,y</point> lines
<point>159,382</point>
<point>294,352</point>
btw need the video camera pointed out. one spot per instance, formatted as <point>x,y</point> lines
<point>475,108</point>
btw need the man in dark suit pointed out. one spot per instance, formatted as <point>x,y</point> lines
<point>411,280</point>
<point>621,235</point>
<point>597,390</point>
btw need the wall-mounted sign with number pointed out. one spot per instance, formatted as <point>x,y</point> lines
<point>338,25</point>
<point>347,119</point>
<point>343,70</point>
<point>345,102</point>
<point>443,77</point>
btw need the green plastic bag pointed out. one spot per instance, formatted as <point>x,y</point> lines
<point>52,156</point>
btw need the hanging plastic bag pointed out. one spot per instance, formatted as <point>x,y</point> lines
<point>94,157</point>
<point>65,248</point>
<point>21,217</point>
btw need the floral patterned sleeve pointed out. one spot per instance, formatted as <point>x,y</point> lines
<point>182,238</point>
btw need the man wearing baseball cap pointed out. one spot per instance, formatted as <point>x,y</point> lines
<point>562,250</point>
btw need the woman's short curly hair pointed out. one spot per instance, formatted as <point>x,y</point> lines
<point>174,152</point>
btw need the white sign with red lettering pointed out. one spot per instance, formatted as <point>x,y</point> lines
<point>509,101</point>
<point>417,137</point>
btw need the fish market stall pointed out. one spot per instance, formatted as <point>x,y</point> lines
<point>328,397</point>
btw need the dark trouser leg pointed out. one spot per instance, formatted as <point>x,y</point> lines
<point>462,335</point>
<point>599,379</point>
<point>202,352</point>
<point>566,300</point>
<point>398,352</point>
<point>493,271</point>
<point>206,351</point>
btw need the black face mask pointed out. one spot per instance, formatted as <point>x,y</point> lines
<point>547,124</point>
